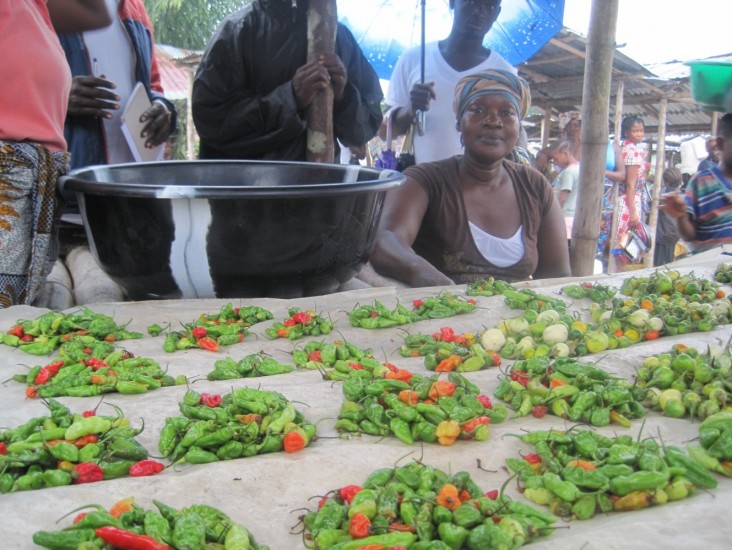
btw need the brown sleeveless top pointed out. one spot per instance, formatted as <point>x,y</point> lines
<point>444,239</point>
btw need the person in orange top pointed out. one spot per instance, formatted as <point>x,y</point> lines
<point>33,102</point>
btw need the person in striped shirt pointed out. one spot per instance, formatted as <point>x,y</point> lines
<point>704,214</point>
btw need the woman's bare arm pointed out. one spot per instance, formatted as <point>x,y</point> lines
<point>401,218</point>
<point>78,15</point>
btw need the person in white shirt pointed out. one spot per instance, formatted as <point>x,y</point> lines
<point>446,62</point>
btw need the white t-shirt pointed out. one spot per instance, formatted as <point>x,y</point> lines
<point>441,138</point>
<point>568,180</point>
<point>111,54</point>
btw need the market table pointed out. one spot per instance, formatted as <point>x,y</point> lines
<point>267,493</point>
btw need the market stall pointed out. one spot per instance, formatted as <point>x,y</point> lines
<point>268,493</point>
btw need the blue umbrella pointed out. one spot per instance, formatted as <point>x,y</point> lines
<point>385,28</point>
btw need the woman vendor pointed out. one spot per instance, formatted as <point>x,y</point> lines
<point>475,215</point>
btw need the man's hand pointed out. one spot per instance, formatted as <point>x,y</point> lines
<point>421,95</point>
<point>317,75</point>
<point>672,204</point>
<point>90,96</point>
<point>157,128</point>
<point>337,72</point>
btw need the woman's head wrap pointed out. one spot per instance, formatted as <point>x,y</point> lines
<point>565,118</point>
<point>492,81</point>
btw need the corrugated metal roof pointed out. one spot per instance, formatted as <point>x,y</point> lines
<point>175,65</point>
<point>556,76</point>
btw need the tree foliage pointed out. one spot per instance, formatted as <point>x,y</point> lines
<point>189,24</point>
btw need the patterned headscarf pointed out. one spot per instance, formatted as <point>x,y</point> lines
<point>492,81</point>
<point>565,118</point>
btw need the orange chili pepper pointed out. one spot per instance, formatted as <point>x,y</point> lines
<point>647,304</point>
<point>584,464</point>
<point>441,388</point>
<point>122,506</point>
<point>409,397</point>
<point>556,382</point>
<point>449,497</point>
<point>449,364</point>
<point>652,335</point>
<point>401,374</point>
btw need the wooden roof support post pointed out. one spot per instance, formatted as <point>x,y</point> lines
<point>322,24</point>
<point>594,136</point>
<point>715,123</point>
<point>546,127</point>
<point>657,182</point>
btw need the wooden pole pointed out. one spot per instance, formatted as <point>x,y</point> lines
<point>660,167</point>
<point>546,126</point>
<point>611,266</point>
<point>322,24</point>
<point>594,136</point>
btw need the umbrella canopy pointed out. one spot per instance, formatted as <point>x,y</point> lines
<point>385,28</point>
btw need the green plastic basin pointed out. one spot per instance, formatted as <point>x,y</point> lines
<point>711,84</point>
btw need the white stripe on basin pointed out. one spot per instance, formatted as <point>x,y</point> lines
<point>188,257</point>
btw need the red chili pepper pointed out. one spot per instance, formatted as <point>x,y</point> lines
<point>199,332</point>
<point>374,314</point>
<point>127,540</point>
<point>315,356</point>
<point>31,392</point>
<point>3,448</point>
<point>110,338</point>
<point>322,502</point>
<point>472,301</point>
<point>146,468</point>
<point>349,491</point>
<point>492,494</point>
<point>302,317</point>
<point>417,304</point>
<point>520,376</point>
<point>293,442</point>
<point>79,517</point>
<point>96,363</point>
<point>479,421</point>
<point>392,368</point>
<point>355,366</point>
<point>532,458</point>
<point>359,526</point>
<point>17,330</point>
<point>586,285</point>
<point>87,472</point>
<point>538,411</point>
<point>48,372</point>
<point>26,338</point>
<point>447,333</point>
<point>289,322</point>
<point>485,401</point>
<point>209,344</point>
<point>87,414</point>
<point>210,399</point>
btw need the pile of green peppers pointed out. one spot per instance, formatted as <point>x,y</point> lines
<point>444,305</point>
<point>598,293</point>
<point>685,382</point>
<point>579,473</point>
<point>197,526</point>
<point>461,351</point>
<point>723,273</point>
<point>672,284</point>
<point>225,328</point>
<point>317,355</point>
<point>51,451</point>
<point>361,364</point>
<point>298,325</point>
<point>43,335</point>
<point>87,368</point>
<point>402,508</point>
<point>383,407</point>
<point>714,449</point>
<point>245,422</point>
<point>251,366</point>
<point>569,389</point>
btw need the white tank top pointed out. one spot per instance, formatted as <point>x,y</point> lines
<point>499,252</point>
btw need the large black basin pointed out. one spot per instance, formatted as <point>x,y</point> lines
<point>227,229</point>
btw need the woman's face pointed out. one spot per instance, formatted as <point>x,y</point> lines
<point>490,127</point>
<point>637,133</point>
<point>572,128</point>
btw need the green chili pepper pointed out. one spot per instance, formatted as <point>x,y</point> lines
<point>565,490</point>
<point>64,540</point>
<point>189,531</point>
<point>637,481</point>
